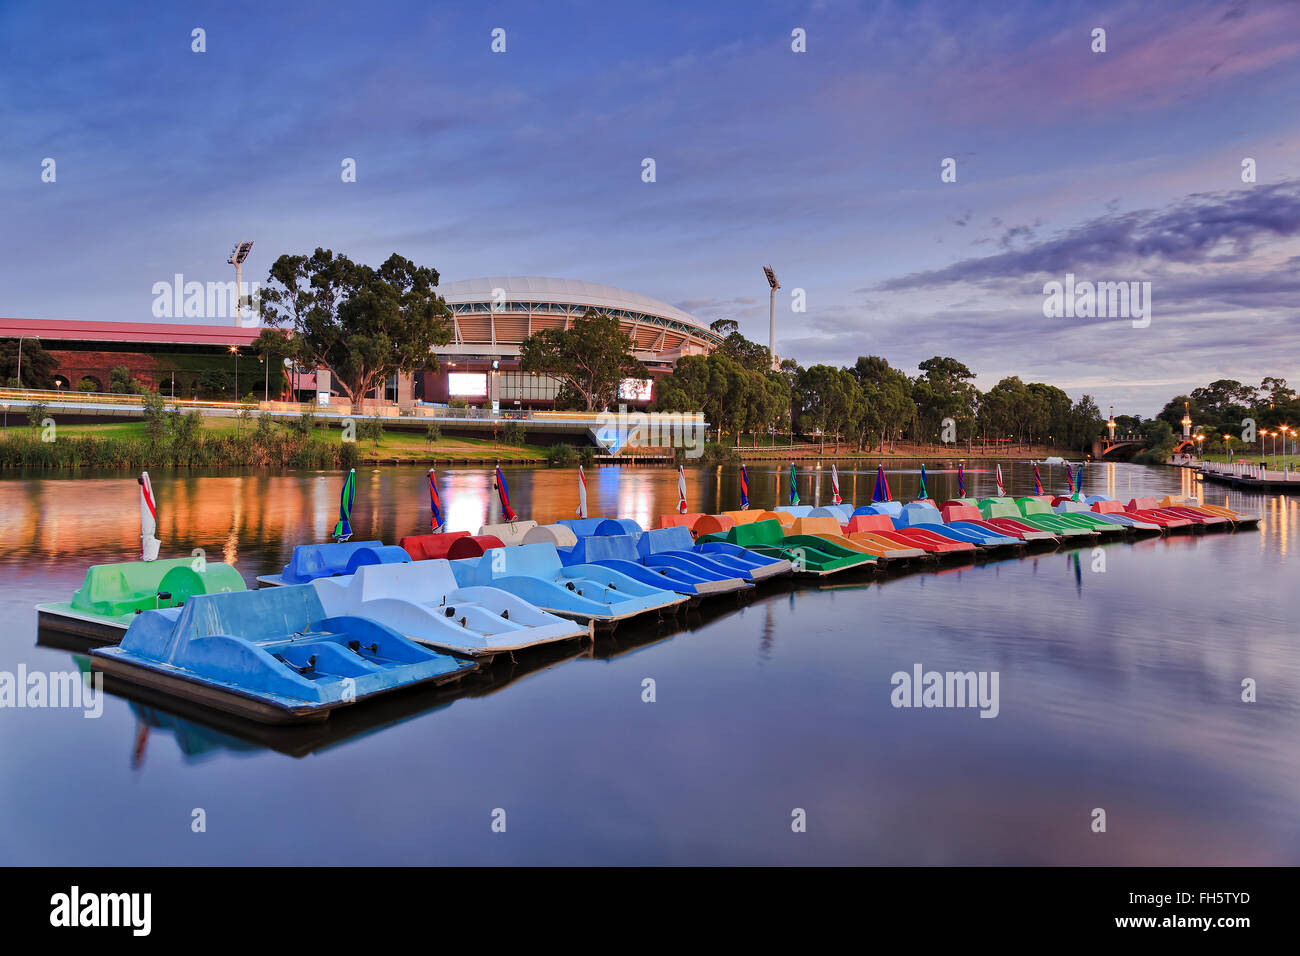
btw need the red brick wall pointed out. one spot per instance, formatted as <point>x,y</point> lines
<point>74,366</point>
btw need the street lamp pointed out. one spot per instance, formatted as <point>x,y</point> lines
<point>234,349</point>
<point>237,257</point>
<point>1200,448</point>
<point>771,314</point>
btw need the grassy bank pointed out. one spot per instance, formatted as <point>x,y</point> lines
<point>210,442</point>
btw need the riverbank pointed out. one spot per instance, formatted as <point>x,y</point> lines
<point>224,442</point>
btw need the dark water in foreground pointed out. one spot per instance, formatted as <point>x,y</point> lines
<point>1118,689</point>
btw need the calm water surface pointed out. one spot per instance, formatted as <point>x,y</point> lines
<point>1120,688</point>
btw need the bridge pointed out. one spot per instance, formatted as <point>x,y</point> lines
<point>1117,449</point>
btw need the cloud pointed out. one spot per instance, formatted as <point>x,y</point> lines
<point>1204,227</point>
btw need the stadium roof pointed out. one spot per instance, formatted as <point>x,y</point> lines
<point>567,291</point>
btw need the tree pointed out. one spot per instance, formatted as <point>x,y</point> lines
<point>38,364</point>
<point>590,357</point>
<point>122,382</point>
<point>362,324</point>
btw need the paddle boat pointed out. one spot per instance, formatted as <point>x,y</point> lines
<point>685,575</point>
<point>1236,517</point>
<point>1032,505</point>
<point>447,545</point>
<point>830,530</point>
<point>311,561</point>
<point>924,514</point>
<point>969,514</point>
<point>809,555</point>
<point>112,595</point>
<point>509,532</point>
<point>678,543</point>
<point>1210,521</point>
<point>583,592</point>
<point>1147,509</point>
<point>882,526</point>
<point>423,601</point>
<point>999,510</point>
<point>1136,525</point>
<point>271,655</point>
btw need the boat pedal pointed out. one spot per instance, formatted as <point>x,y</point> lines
<point>505,614</point>
<point>451,612</point>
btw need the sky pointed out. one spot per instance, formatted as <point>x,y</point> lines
<point>1117,166</point>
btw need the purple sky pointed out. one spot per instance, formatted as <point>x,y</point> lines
<point>1115,166</point>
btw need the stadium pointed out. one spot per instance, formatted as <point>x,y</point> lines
<point>492,316</point>
<point>480,365</point>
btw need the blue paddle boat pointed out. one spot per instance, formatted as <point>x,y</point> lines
<point>583,592</point>
<point>618,552</point>
<point>675,543</point>
<point>271,655</point>
<point>423,601</point>
<point>312,561</point>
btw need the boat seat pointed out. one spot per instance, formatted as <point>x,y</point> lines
<point>310,561</point>
<point>509,532</point>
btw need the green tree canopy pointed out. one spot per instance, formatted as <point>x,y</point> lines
<point>38,364</point>
<point>361,323</point>
<point>590,357</point>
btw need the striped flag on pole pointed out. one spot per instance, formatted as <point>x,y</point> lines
<point>1002,492</point>
<point>835,486</point>
<point>744,488</point>
<point>582,493</point>
<point>505,496</point>
<point>681,490</point>
<point>436,524</point>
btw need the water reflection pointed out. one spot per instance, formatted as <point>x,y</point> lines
<point>1121,681</point>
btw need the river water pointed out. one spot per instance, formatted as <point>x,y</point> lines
<point>1120,682</point>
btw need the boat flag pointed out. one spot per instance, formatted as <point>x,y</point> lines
<point>681,490</point>
<point>1078,482</point>
<point>504,495</point>
<point>744,488</point>
<point>835,487</point>
<point>1002,492</point>
<point>436,524</point>
<point>148,520</point>
<point>343,530</point>
<point>582,493</point>
<point>961,481</point>
<point>881,492</point>
<point>1069,482</point>
<point>794,486</point>
<point>923,495</point>
<point>1038,480</point>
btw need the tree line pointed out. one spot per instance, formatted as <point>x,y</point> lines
<point>871,404</point>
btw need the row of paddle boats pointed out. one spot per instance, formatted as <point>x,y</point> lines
<point>348,620</point>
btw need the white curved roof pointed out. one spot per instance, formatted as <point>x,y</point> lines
<point>566,291</point>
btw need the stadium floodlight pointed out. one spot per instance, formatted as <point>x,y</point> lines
<point>237,257</point>
<point>771,313</point>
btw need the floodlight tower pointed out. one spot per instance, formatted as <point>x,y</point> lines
<point>237,257</point>
<point>771,313</point>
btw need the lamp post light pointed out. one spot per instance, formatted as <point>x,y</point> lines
<point>1200,448</point>
<point>237,257</point>
<point>773,285</point>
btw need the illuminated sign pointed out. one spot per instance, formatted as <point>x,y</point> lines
<point>471,384</point>
<point>635,389</point>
